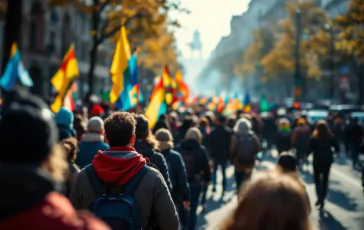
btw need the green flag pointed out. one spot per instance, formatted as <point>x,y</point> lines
<point>264,106</point>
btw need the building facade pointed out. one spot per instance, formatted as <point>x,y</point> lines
<point>47,34</point>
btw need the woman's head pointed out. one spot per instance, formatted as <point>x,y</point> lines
<point>165,139</point>
<point>71,148</point>
<point>322,131</point>
<point>204,122</point>
<point>287,163</point>
<point>242,126</point>
<point>194,133</point>
<point>301,122</point>
<point>271,202</point>
<point>143,132</point>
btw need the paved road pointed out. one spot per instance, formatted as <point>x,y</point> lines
<point>344,207</point>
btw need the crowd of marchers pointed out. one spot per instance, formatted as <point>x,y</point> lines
<point>108,170</point>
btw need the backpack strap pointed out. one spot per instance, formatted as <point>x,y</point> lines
<point>96,183</point>
<point>134,182</point>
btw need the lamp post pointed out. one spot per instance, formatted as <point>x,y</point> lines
<point>329,29</point>
<point>297,74</point>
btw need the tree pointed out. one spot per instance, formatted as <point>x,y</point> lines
<point>141,17</point>
<point>351,39</point>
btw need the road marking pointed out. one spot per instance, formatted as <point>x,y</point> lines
<point>345,177</point>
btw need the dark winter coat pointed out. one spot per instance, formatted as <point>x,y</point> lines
<point>177,173</point>
<point>322,151</point>
<point>283,141</point>
<point>156,158</point>
<point>88,147</point>
<point>29,200</point>
<point>219,144</point>
<point>201,166</point>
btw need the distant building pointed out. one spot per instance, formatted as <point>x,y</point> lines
<point>46,36</point>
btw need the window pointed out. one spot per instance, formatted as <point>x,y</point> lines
<point>54,16</point>
<point>37,27</point>
<point>51,47</point>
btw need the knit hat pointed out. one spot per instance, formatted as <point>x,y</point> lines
<point>142,126</point>
<point>64,117</point>
<point>27,129</point>
<point>97,110</point>
<point>165,139</point>
<point>95,125</point>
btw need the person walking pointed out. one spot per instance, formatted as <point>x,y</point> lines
<point>243,150</point>
<point>198,172</point>
<point>177,171</point>
<point>91,142</point>
<point>273,201</point>
<point>122,170</point>
<point>354,138</point>
<point>283,140</point>
<point>147,145</point>
<point>219,146</point>
<point>300,140</point>
<point>80,126</point>
<point>321,145</point>
<point>64,121</point>
<point>71,150</point>
<point>33,169</point>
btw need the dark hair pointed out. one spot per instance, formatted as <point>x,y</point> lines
<point>322,131</point>
<point>71,148</point>
<point>142,126</point>
<point>204,122</point>
<point>222,119</point>
<point>119,128</point>
<point>287,162</point>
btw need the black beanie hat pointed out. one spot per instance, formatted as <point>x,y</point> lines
<point>27,129</point>
<point>287,161</point>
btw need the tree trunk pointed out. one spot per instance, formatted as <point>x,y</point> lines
<point>93,53</point>
<point>12,29</point>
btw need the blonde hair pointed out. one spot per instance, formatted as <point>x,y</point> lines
<point>56,163</point>
<point>194,133</point>
<point>273,201</point>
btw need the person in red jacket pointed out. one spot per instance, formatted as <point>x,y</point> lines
<point>32,170</point>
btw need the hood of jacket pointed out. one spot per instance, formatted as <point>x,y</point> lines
<point>64,117</point>
<point>22,187</point>
<point>189,144</point>
<point>118,164</point>
<point>92,137</point>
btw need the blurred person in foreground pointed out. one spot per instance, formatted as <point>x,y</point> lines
<point>219,145</point>
<point>117,167</point>
<point>198,172</point>
<point>32,175</point>
<point>177,171</point>
<point>64,121</point>
<point>243,151</point>
<point>300,140</point>
<point>147,145</point>
<point>91,142</point>
<point>271,202</point>
<point>71,150</point>
<point>287,164</point>
<point>283,140</point>
<point>321,144</point>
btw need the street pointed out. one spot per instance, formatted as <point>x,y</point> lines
<point>344,206</point>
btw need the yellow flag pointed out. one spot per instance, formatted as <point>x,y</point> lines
<point>119,64</point>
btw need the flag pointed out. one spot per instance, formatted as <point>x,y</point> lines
<point>182,88</point>
<point>246,103</point>
<point>264,106</point>
<point>64,78</point>
<point>170,87</point>
<point>15,70</point>
<point>157,105</point>
<point>69,100</point>
<point>123,70</point>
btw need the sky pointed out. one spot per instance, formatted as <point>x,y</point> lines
<point>211,18</point>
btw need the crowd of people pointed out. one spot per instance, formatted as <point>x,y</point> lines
<point>54,167</point>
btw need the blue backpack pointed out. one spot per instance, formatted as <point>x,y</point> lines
<point>115,204</point>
